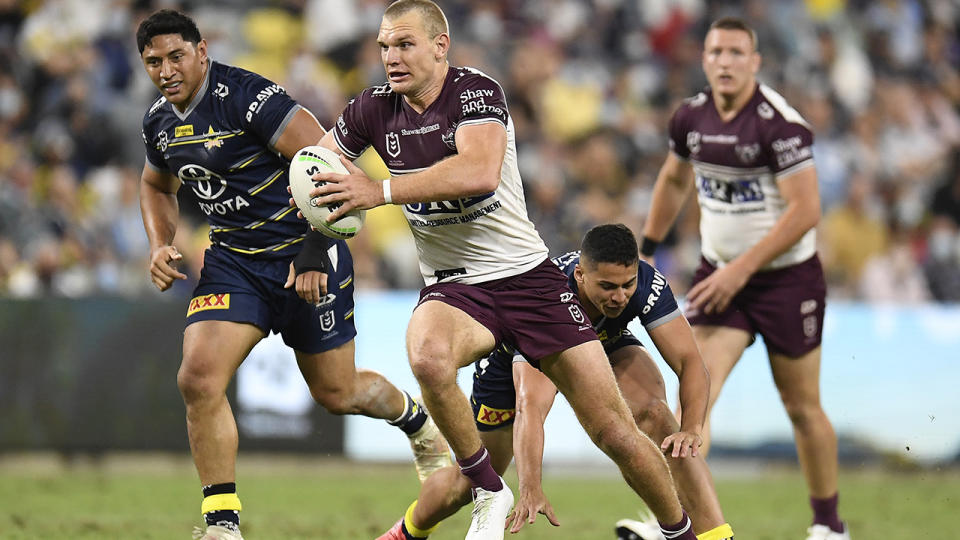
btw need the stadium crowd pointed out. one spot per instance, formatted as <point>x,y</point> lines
<point>591,85</point>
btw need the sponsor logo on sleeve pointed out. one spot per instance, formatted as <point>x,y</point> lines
<point>222,91</point>
<point>494,417</point>
<point>656,289</point>
<point>208,301</point>
<point>262,96</point>
<point>790,151</point>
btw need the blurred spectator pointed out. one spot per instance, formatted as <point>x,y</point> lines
<point>852,234</point>
<point>590,85</point>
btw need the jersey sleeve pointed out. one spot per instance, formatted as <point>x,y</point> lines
<point>153,149</point>
<point>481,100</point>
<point>678,135</point>
<point>350,132</point>
<point>268,108</point>
<point>790,146</point>
<point>658,305</point>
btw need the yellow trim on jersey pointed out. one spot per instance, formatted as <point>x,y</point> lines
<point>413,529</point>
<point>247,162</point>
<point>268,182</point>
<point>205,140</point>
<point>348,315</point>
<point>221,501</point>
<point>260,250</point>
<point>723,532</point>
<point>347,282</point>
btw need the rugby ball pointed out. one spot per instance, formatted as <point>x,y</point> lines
<point>306,163</point>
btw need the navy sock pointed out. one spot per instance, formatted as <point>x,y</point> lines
<point>683,530</point>
<point>222,517</point>
<point>825,512</point>
<point>413,416</point>
<point>478,469</point>
<point>406,533</point>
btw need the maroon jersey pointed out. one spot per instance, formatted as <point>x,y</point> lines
<point>468,240</point>
<point>737,165</point>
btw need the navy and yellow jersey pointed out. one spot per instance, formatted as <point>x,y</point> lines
<point>222,148</point>
<point>653,303</point>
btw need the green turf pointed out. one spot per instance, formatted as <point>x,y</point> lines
<point>299,499</point>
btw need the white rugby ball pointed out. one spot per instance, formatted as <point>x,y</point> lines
<point>306,163</point>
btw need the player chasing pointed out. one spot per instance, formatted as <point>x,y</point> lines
<point>615,288</point>
<point>447,138</point>
<point>749,155</point>
<point>228,134</point>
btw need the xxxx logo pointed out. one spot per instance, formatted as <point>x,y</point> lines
<point>209,301</point>
<point>495,417</point>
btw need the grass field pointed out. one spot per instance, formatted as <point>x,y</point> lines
<point>294,498</point>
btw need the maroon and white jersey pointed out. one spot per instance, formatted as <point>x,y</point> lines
<point>468,240</point>
<point>737,165</point>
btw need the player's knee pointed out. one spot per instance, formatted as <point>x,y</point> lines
<point>802,413</point>
<point>655,418</point>
<point>334,401</point>
<point>432,366</point>
<point>197,386</point>
<point>611,435</point>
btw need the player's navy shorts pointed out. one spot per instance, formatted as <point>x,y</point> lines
<point>785,306</point>
<point>494,396</point>
<point>535,312</point>
<point>236,288</point>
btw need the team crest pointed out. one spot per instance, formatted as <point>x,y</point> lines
<point>450,137</point>
<point>164,141</point>
<point>393,144</point>
<point>747,152</point>
<point>693,142</point>
<point>765,110</point>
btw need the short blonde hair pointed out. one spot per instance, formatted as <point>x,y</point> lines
<point>434,21</point>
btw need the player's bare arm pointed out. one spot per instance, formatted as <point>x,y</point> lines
<point>535,395</point>
<point>802,196</point>
<point>673,186</point>
<point>474,170</point>
<point>160,211</point>
<point>676,344</point>
<point>302,130</point>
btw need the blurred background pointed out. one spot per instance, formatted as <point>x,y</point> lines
<point>590,85</point>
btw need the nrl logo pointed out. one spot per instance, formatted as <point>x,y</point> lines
<point>747,152</point>
<point>393,144</point>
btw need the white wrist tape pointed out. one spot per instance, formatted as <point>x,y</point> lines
<point>387,197</point>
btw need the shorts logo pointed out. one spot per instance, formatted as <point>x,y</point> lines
<point>494,417</point>
<point>327,321</point>
<point>208,301</point>
<point>393,144</point>
<point>810,326</point>
<point>576,314</point>
<point>808,306</point>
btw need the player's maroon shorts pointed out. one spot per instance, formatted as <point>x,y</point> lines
<point>536,312</point>
<point>785,306</point>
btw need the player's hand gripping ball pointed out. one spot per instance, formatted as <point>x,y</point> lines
<point>306,163</point>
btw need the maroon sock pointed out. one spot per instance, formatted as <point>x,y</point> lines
<point>679,531</point>
<point>478,469</point>
<point>825,512</point>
